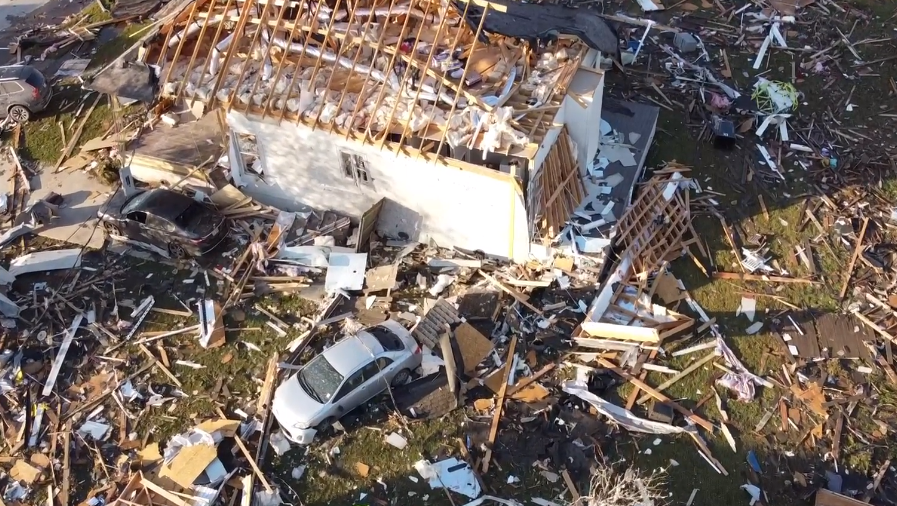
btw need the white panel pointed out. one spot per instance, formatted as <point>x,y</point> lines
<point>451,206</point>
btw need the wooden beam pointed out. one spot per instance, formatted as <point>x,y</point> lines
<point>222,70</point>
<point>527,381</point>
<point>502,392</point>
<point>521,298</point>
<point>623,332</point>
<point>853,258</point>
<point>685,372</point>
<point>657,395</point>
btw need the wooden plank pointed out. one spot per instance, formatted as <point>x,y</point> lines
<point>571,487</point>
<point>630,401</point>
<point>685,372</point>
<point>496,417</point>
<point>825,497</point>
<point>853,258</point>
<point>874,326</point>
<point>527,381</point>
<point>521,298</point>
<point>66,468</point>
<point>657,395</point>
<point>252,462</point>
<point>77,135</point>
<point>762,277</point>
<point>158,364</point>
<point>623,332</point>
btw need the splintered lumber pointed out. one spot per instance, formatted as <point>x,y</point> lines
<point>874,326</point>
<point>527,381</point>
<point>657,395</point>
<point>624,332</point>
<point>762,277</point>
<point>255,467</point>
<point>521,298</point>
<point>685,372</point>
<point>496,417</point>
<point>77,135</point>
<point>853,258</point>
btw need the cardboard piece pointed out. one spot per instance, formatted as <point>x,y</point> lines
<point>24,472</point>
<point>187,466</point>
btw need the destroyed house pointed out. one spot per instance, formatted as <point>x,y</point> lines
<point>413,110</point>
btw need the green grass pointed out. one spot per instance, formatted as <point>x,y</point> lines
<point>115,47</point>
<point>42,140</point>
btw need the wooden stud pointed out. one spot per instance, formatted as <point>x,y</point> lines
<point>202,32</point>
<point>313,23</point>
<point>267,55</point>
<point>177,52</point>
<point>476,37</point>
<point>334,68</point>
<point>234,45</point>
<point>853,258</point>
<point>502,392</point>
<point>368,78</point>
<point>206,64</point>
<point>685,372</point>
<point>657,395</point>
<point>322,48</point>
<point>283,60</point>
<point>407,69</point>
<point>222,72</point>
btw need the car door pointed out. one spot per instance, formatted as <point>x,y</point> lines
<point>161,231</point>
<point>4,100</point>
<point>134,226</point>
<point>346,398</point>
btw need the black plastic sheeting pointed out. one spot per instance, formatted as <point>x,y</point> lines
<point>540,23</point>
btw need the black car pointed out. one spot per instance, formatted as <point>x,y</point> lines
<point>165,220</point>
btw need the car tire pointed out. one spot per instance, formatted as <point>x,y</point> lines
<point>400,378</point>
<point>325,426</point>
<point>176,251</point>
<point>20,113</point>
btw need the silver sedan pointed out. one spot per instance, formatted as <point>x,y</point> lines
<point>343,377</point>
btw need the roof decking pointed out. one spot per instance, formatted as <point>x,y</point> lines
<point>385,72</point>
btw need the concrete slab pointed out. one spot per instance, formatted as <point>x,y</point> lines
<point>82,194</point>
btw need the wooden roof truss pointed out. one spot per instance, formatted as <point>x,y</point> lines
<point>386,72</point>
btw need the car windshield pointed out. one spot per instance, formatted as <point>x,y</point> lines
<point>319,379</point>
<point>136,202</point>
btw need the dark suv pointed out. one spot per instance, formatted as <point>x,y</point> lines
<point>23,91</point>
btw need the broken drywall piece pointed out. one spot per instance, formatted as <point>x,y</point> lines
<point>346,271</point>
<point>634,137</point>
<point>397,440</point>
<point>452,474</point>
<point>622,416</point>
<point>618,153</point>
<point>753,329</point>
<point>96,430</point>
<point>748,308</point>
<point>60,356</point>
<point>5,277</point>
<point>41,261</point>
<point>211,324</point>
<point>8,307</point>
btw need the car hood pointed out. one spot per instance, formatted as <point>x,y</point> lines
<point>292,406</point>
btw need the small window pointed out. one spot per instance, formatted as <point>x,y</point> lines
<point>161,224</point>
<point>371,371</point>
<point>384,362</point>
<point>35,79</point>
<point>355,167</point>
<point>386,338</point>
<point>352,383</point>
<point>138,216</point>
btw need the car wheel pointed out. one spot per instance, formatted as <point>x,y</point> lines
<point>176,251</point>
<point>326,425</point>
<point>400,378</point>
<point>19,113</point>
<point>112,229</point>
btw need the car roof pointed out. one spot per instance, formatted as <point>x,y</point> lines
<point>352,352</point>
<point>14,72</point>
<point>160,202</point>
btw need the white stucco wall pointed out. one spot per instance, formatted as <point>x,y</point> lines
<point>427,201</point>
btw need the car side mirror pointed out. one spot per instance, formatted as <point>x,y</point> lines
<point>340,409</point>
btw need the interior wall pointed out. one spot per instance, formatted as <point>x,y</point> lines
<point>426,201</point>
<point>583,123</point>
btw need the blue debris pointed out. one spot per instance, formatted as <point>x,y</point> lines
<point>752,460</point>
